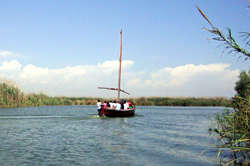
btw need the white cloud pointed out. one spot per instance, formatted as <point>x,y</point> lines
<point>181,74</point>
<point>187,80</point>
<point>109,66</point>
<point>6,53</point>
<point>39,75</point>
<point>72,81</point>
<point>13,65</point>
<point>33,74</point>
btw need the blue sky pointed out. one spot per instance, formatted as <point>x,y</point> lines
<point>70,47</point>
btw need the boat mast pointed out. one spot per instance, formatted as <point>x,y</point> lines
<point>120,62</point>
<point>119,79</point>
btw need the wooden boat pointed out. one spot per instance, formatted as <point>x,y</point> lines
<point>110,112</point>
<point>119,113</point>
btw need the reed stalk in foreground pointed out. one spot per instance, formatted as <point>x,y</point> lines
<point>232,126</point>
<point>228,40</point>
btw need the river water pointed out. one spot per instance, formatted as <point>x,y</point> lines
<point>75,135</point>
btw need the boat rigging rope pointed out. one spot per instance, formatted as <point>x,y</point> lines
<point>115,54</point>
<point>123,78</point>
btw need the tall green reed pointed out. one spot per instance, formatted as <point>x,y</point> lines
<point>232,129</point>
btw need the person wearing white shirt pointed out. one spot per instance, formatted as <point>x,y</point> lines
<point>125,106</point>
<point>99,107</point>
<point>118,106</point>
<point>112,104</point>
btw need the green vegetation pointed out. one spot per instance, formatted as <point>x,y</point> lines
<point>180,101</point>
<point>12,96</point>
<point>9,93</point>
<point>232,126</point>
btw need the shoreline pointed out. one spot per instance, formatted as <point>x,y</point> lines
<point>31,100</point>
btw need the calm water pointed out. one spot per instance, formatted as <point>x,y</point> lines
<point>75,135</point>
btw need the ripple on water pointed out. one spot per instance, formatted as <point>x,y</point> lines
<point>75,135</point>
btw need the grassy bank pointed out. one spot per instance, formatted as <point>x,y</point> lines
<point>157,101</point>
<point>181,101</point>
<point>12,96</point>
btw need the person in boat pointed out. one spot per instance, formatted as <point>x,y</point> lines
<point>125,106</point>
<point>105,105</point>
<point>129,105</point>
<point>111,104</point>
<point>118,106</point>
<point>99,107</point>
<point>122,105</point>
<point>114,104</point>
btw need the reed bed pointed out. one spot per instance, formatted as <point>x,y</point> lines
<point>12,96</point>
<point>232,126</point>
<point>157,101</point>
<point>232,130</point>
<point>181,101</point>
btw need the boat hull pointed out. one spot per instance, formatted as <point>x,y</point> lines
<point>119,113</point>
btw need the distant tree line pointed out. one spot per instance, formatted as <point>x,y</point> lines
<point>12,96</point>
<point>182,101</point>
